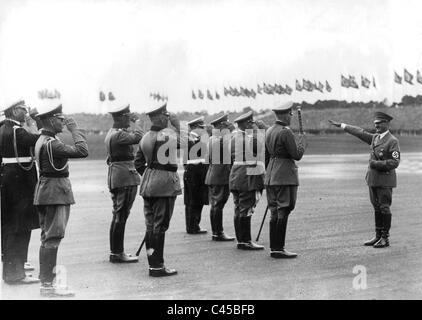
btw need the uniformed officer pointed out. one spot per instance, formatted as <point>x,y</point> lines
<point>156,161</point>
<point>246,180</point>
<point>123,179</point>
<point>281,179</point>
<point>18,176</point>
<point>53,193</point>
<point>217,177</point>
<point>381,174</point>
<point>195,189</point>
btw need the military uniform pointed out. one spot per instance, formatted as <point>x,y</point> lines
<point>123,180</point>
<point>160,185</point>
<point>18,177</point>
<point>281,179</point>
<point>246,182</point>
<point>53,192</point>
<point>195,189</point>
<point>381,175</point>
<point>217,178</point>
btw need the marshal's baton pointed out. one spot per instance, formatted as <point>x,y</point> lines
<point>262,223</point>
<point>299,115</point>
<point>140,247</point>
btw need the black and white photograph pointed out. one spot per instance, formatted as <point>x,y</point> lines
<point>211,154</point>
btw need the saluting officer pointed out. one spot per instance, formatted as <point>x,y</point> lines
<point>195,189</point>
<point>53,193</point>
<point>123,179</point>
<point>246,180</point>
<point>18,177</point>
<point>217,177</point>
<point>156,161</point>
<point>381,174</point>
<point>281,179</point>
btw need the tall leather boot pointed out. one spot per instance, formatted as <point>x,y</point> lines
<point>217,225</point>
<point>282,253</point>
<point>118,254</point>
<point>274,245</point>
<point>237,230</point>
<point>385,233</point>
<point>247,244</point>
<point>196,219</point>
<point>188,219</point>
<point>48,259</point>
<point>378,228</point>
<point>159,270</point>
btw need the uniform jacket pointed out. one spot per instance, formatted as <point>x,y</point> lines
<point>159,178</point>
<point>281,153</point>
<point>16,184</point>
<point>53,187</point>
<point>219,164</point>
<point>384,157</point>
<point>195,189</point>
<point>245,177</point>
<point>121,169</point>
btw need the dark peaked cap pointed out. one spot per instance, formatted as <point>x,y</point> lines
<point>244,117</point>
<point>381,116</point>
<point>197,122</point>
<point>222,118</point>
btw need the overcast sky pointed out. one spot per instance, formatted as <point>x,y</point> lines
<point>172,47</point>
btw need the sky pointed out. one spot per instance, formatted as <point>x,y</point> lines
<point>133,48</point>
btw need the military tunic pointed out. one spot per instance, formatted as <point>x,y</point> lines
<point>217,178</point>
<point>123,180</point>
<point>17,184</point>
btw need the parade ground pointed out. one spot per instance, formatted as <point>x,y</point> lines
<point>332,219</point>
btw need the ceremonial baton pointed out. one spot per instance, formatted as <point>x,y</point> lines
<point>262,223</point>
<point>140,247</point>
<point>299,115</point>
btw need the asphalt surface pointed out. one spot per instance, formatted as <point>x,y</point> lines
<point>332,219</point>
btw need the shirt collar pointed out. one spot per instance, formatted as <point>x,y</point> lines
<point>157,128</point>
<point>48,133</point>
<point>382,135</point>
<point>281,123</point>
<point>14,121</point>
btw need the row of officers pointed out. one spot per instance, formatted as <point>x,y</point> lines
<point>31,199</point>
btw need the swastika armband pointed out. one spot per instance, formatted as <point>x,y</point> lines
<point>396,155</point>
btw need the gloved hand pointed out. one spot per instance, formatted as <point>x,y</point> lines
<point>261,124</point>
<point>71,124</point>
<point>335,123</point>
<point>174,121</point>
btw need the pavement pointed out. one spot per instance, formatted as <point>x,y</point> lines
<point>332,219</point>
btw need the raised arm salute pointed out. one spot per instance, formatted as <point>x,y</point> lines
<point>53,193</point>
<point>381,175</point>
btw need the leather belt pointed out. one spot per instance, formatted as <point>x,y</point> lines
<point>16,160</point>
<point>164,167</point>
<point>54,174</point>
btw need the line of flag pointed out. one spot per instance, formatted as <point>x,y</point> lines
<point>407,77</point>
<point>158,96</point>
<point>351,82</point>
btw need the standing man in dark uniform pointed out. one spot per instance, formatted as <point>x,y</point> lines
<point>53,193</point>
<point>195,189</point>
<point>217,177</point>
<point>281,180</point>
<point>381,175</point>
<point>123,179</point>
<point>246,180</point>
<point>18,177</point>
<point>156,161</point>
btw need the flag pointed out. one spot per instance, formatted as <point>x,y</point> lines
<point>278,89</point>
<point>353,82</point>
<point>226,92</point>
<point>288,90</point>
<point>320,87</point>
<point>217,96</point>
<point>253,93</point>
<point>365,82</point>
<point>200,95</point>
<point>307,85</point>
<point>397,78</point>
<point>408,77</point>
<point>259,89</point>
<point>419,77</point>
<point>373,82</point>
<point>282,90</point>
<point>111,96</point>
<point>102,96</point>
<point>193,95</point>
<point>268,89</point>
<point>298,86</point>
<point>327,86</point>
<point>209,96</point>
<point>236,92</point>
<point>345,82</point>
